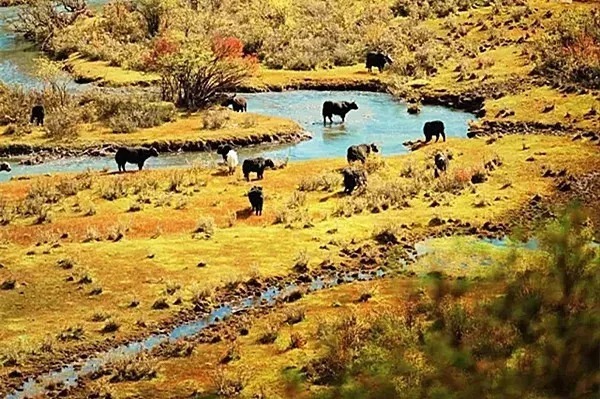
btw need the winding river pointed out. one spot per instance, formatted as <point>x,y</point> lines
<point>380,119</point>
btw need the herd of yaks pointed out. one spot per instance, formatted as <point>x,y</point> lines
<point>353,177</point>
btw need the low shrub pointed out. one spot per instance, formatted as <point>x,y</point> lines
<point>569,51</point>
<point>227,384</point>
<point>111,326</point>
<point>301,262</point>
<point>113,190</point>
<point>293,216</point>
<point>270,333</point>
<point>295,315</point>
<point>215,118</point>
<point>62,124</point>
<point>74,333</point>
<point>137,368</point>
<point>325,182</point>
<point>297,341</point>
<point>7,212</point>
<point>176,349</point>
<point>206,226</point>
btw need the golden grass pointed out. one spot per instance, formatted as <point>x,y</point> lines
<point>44,303</point>
<point>529,106</point>
<point>339,76</point>
<point>185,128</point>
<point>263,365</point>
<point>103,73</point>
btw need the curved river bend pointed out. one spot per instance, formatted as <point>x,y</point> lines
<point>380,119</point>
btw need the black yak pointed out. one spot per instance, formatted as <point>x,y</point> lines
<point>434,128</point>
<point>256,165</point>
<point>441,163</point>
<point>136,155</point>
<point>331,108</point>
<point>239,104</point>
<point>256,197</point>
<point>354,178</point>
<point>378,60</point>
<point>4,167</point>
<point>37,115</point>
<point>360,152</point>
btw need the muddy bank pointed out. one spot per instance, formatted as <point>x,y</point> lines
<point>35,154</point>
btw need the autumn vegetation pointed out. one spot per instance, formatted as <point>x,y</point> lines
<point>95,258</point>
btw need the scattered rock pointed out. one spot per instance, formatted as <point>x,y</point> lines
<point>548,108</point>
<point>364,297</point>
<point>160,304</point>
<point>414,109</point>
<point>436,221</point>
<point>293,296</point>
<point>15,374</point>
<point>8,285</point>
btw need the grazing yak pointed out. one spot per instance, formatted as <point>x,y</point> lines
<point>434,128</point>
<point>354,178</point>
<point>239,104</point>
<point>37,115</point>
<point>441,163</point>
<point>360,152</point>
<point>223,150</point>
<point>256,197</point>
<point>331,108</point>
<point>136,155</point>
<point>5,167</point>
<point>256,165</point>
<point>378,60</point>
<point>232,161</point>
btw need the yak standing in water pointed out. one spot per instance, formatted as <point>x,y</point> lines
<point>5,167</point>
<point>137,155</point>
<point>378,60</point>
<point>331,108</point>
<point>239,104</point>
<point>434,128</point>
<point>37,115</point>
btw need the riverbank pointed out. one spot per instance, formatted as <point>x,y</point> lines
<point>187,133</point>
<point>504,94</point>
<point>175,234</point>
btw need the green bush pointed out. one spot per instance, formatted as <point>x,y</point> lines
<point>537,337</point>
<point>127,113</point>
<point>62,124</point>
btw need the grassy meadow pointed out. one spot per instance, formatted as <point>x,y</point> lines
<point>95,259</point>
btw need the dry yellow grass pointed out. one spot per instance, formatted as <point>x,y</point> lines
<point>102,73</point>
<point>185,128</point>
<point>43,303</point>
<point>262,367</point>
